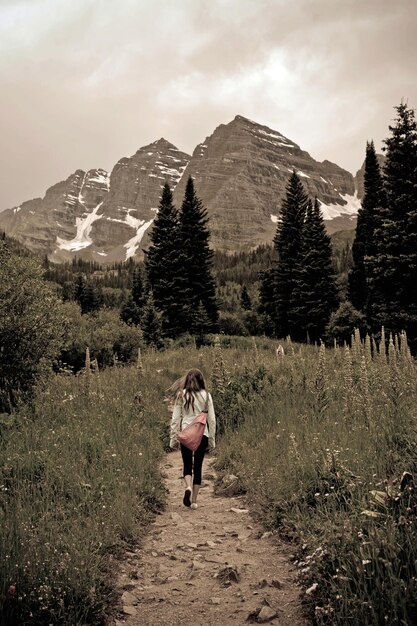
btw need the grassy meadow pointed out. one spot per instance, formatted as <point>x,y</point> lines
<point>321,441</point>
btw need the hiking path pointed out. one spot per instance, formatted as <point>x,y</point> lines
<point>211,566</point>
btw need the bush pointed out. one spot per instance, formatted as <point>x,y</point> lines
<point>231,324</point>
<point>103,333</point>
<point>343,322</point>
<point>31,326</point>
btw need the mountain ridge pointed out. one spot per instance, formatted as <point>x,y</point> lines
<point>240,173</point>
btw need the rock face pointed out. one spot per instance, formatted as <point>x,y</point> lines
<point>98,216</point>
<point>241,172</point>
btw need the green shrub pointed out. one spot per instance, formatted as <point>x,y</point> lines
<point>231,324</point>
<point>31,326</point>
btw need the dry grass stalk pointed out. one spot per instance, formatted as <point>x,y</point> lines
<point>383,347</point>
<point>219,376</point>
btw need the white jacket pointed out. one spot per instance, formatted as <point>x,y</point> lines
<point>182,417</point>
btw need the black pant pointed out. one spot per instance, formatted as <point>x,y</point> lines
<point>187,458</point>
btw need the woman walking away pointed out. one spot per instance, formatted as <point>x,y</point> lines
<point>191,399</point>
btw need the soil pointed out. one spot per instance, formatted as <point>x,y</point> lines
<point>210,566</point>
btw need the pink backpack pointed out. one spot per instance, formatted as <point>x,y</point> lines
<point>192,434</point>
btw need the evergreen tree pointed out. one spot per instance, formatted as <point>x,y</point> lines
<point>165,265</point>
<point>314,296</point>
<point>91,300</point>
<point>392,265</point>
<point>151,325</point>
<point>79,289</point>
<point>266,299</point>
<point>199,258</point>
<point>368,220</point>
<point>245,301</point>
<point>132,308</point>
<point>201,324</point>
<point>130,312</point>
<point>287,243</point>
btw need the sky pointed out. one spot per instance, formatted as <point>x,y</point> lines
<point>86,82</point>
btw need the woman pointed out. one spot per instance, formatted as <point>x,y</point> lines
<point>191,399</point>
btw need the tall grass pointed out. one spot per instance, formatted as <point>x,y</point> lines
<point>320,440</point>
<point>79,478</point>
<point>321,454</point>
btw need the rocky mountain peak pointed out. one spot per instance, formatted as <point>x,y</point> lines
<point>240,171</point>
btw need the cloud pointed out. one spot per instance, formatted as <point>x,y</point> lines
<point>85,82</point>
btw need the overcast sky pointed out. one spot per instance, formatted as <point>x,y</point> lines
<point>85,82</point>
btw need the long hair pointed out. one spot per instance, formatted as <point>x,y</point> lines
<point>187,386</point>
<point>194,381</point>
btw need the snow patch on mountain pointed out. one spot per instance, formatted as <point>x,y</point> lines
<point>101,177</point>
<point>82,238</point>
<point>351,206</point>
<point>298,172</point>
<point>129,220</point>
<point>133,243</point>
<point>274,218</point>
<point>282,141</point>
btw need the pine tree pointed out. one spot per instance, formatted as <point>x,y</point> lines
<point>151,325</point>
<point>199,257</point>
<point>287,243</point>
<point>130,313</point>
<point>314,296</point>
<point>132,308</point>
<point>138,288</point>
<point>266,299</point>
<point>79,289</point>
<point>245,301</point>
<point>201,324</point>
<point>91,298</point>
<point>392,265</point>
<point>368,220</point>
<point>165,265</point>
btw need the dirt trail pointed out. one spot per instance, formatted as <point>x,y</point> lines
<point>210,566</point>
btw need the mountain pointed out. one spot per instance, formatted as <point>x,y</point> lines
<point>240,171</point>
<point>96,215</point>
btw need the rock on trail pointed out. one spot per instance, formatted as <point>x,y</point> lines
<point>209,566</point>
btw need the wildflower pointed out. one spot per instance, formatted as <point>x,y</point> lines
<point>312,589</point>
<point>11,591</point>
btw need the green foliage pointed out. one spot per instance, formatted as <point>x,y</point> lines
<point>328,478</point>
<point>151,326</point>
<point>103,332</point>
<point>368,217</point>
<point>31,318</point>
<point>343,322</point>
<point>288,240</point>
<point>315,296</point>
<point>245,301</point>
<point>391,267</point>
<point>198,255</point>
<point>166,260</point>
<point>80,483</point>
<point>231,324</point>
<point>242,391</point>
